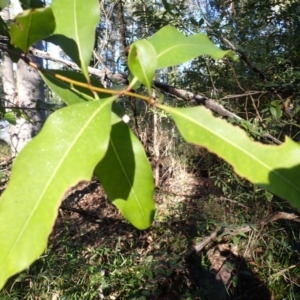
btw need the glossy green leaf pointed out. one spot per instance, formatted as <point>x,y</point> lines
<point>142,60</point>
<point>126,176</point>
<point>274,168</point>
<point>68,93</point>
<point>71,143</point>
<point>174,48</point>
<point>76,22</point>
<point>31,26</point>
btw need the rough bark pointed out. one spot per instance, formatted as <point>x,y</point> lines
<point>30,89</point>
<point>21,90</point>
<point>8,82</point>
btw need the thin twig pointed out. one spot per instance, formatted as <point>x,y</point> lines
<point>243,229</point>
<point>233,201</point>
<point>246,94</point>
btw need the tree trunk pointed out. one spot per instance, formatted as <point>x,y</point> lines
<point>30,89</point>
<point>8,85</point>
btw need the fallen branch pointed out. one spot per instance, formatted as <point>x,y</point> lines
<point>207,102</point>
<point>225,231</point>
<point>233,201</point>
<point>118,78</point>
<point>179,93</point>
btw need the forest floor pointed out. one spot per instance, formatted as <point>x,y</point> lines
<point>186,210</point>
<point>93,253</point>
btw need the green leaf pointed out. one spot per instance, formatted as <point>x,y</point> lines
<point>276,110</point>
<point>68,93</point>
<point>63,89</point>
<point>126,176</point>
<point>174,48</point>
<point>142,60</point>
<point>235,240</point>
<point>274,168</point>
<point>31,26</point>
<point>10,118</point>
<point>269,196</point>
<point>76,22</point>
<point>71,143</point>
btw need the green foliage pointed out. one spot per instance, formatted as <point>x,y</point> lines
<point>65,152</point>
<point>142,61</point>
<point>276,110</point>
<point>65,90</point>
<point>130,185</point>
<point>261,164</point>
<point>30,27</point>
<point>147,56</point>
<point>76,22</point>
<point>178,48</point>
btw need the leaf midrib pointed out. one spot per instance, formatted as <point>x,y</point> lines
<point>239,148</point>
<point>78,42</point>
<point>51,179</point>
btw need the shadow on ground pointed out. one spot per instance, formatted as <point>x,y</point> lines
<point>92,222</point>
<point>233,280</point>
<point>94,253</point>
